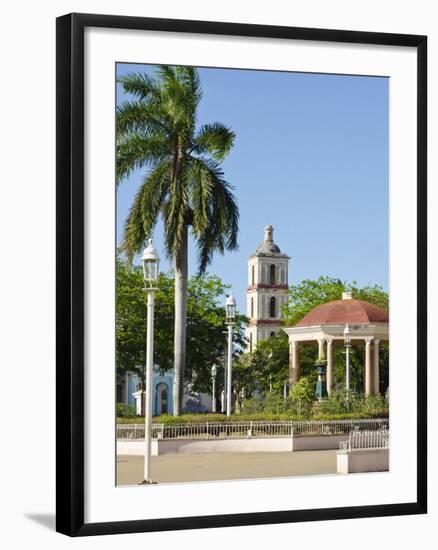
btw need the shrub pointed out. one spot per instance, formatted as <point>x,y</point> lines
<point>340,402</point>
<point>252,406</point>
<point>297,404</point>
<point>274,403</point>
<point>124,410</point>
<point>303,394</point>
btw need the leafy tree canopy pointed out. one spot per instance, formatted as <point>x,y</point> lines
<point>206,341</point>
<point>311,293</point>
<point>266,367</point>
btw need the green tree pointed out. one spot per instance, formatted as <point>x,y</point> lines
<point>308,294</point>
<point>183,181</point>
<point>245,378</point>
<point>205,325</point>
<point>271,362</point>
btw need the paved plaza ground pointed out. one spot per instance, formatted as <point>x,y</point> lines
<point>173,468</point>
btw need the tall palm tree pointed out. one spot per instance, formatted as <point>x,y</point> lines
<point>183,181</point>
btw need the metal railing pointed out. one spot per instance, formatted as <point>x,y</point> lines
<point>338,427</point>
<point>366,440</point>
<point>255,428</point>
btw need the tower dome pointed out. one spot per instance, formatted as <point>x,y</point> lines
<point>267,246</point>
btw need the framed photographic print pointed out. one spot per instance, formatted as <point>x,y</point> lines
<point>241,274</point>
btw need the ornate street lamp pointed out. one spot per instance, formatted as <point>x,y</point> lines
<point>321,385</point>
<point>230,309</point>
<point>347,345</point>
<point>151,262</point>
<point>213,389</point>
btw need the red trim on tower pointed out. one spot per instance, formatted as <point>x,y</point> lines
<point>266,322</point>
<point>273,287</point>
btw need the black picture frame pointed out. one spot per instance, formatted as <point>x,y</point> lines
<point>70,273</point>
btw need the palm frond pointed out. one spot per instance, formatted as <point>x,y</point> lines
<point>215,139</point>
<point>139,150</point>
<point>186,184</point>
<point>137,116</point>
<point>157,187</point>
<point>216,223</point>
<point>145,210</point>
<point>181,93</point>
<point>133,230</point>
<point>141,86</point>
<point>201,194</point>
<point>189,76</point>
<point>175,214</point>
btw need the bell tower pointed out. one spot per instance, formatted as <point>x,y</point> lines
<point>267,289</point>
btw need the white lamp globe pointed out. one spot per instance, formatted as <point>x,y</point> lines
<point>230,306</point>
<point>151,262</point>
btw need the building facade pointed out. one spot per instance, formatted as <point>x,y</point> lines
<point>268,272</point>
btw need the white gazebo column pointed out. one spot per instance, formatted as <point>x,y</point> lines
<point>294,364</point>
<point>321,348</point>
<point>329,379</point>
<point>368,378</point>
<point>376,367</point>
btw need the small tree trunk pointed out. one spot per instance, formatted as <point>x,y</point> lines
<point>181,269</point>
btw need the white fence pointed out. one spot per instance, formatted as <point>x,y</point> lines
<point>368,439</point>
<point>238,430</point>
<point>336,427</point>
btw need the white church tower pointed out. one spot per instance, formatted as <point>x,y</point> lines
<point>267,290</point>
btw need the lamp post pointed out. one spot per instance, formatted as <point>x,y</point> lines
<point>270,374</point>
<point>151,262</point>
<point>224,390</point>
<point>230,308</point>
<point>347,345</point>
<point>213,389</point>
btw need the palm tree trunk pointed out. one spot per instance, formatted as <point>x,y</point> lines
<point>181,269</point>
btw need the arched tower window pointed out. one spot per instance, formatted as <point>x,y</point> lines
<point>252,275</point>
<point>250,343</point>
<point>272,275</point>
<point>252,307</point>
<point>272,307</point>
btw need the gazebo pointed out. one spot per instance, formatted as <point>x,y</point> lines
<point>325,326</point>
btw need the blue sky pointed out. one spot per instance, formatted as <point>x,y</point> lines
<point>310,158</point>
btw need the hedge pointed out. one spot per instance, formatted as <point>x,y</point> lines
<point>202,418</point>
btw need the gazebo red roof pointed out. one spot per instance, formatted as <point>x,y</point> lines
<point>344,311</point>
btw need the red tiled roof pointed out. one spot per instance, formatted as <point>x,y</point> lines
<point>343,312</point>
